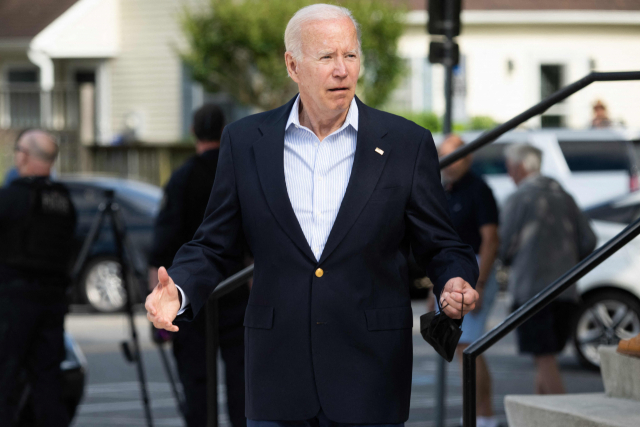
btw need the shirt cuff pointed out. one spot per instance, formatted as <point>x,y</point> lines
<point>185,301</point>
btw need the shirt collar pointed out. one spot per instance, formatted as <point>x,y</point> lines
<point>352,116</point>
<point>530,178</point>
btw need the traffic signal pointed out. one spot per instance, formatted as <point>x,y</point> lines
<point>437,11</point>
<point>437,53</point>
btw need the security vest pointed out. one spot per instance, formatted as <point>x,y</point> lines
<point>42,239</point>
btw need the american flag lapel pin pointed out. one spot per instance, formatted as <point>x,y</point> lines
<point>379,151</point>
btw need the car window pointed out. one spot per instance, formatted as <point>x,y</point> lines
<point>597,156</point>
<point>137,195</point>
<point>489,160</point>
<point>620,214</point>
<point>84,198</point>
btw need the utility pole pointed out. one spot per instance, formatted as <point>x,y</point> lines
<point>444,20</point>
<point>448,66</point>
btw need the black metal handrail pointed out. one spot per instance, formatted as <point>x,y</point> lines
<point>539,108</point>
<point>547,295</point>
<point>528,309</point>
<point>514,320</point>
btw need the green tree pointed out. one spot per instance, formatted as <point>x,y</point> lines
<point>237,46</point>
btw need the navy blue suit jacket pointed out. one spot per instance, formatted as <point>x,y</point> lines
<point>341,342</point>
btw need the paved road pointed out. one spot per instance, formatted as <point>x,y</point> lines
<point>112,395</point>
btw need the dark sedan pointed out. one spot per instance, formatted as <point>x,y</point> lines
<point>99,283</point>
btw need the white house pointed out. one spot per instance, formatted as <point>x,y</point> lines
<point>108,68</point>
<point>515,52</point>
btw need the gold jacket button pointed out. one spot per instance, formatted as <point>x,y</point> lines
<point>319,272</point>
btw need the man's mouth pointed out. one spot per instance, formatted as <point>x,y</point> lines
<point>339,89</point>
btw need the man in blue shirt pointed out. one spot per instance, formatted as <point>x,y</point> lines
<point>329,195</point>
<point>474,214</point>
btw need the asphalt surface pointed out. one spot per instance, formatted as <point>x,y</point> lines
<point>112,394</point>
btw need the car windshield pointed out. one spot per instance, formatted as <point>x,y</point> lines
<point>490,160</point>
<point>624,210</point>
<point>139,195</point>
<point>597,156</point>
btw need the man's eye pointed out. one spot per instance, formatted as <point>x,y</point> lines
<point>326,57</point>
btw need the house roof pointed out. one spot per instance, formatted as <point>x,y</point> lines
<point>540,4</point>
<point>26,18</point>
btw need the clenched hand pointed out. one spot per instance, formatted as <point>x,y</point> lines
<point>454,293</point>
<point>163,302</point>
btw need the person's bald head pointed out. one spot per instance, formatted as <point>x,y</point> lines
<point>36,151</point>
<point>457,170</point>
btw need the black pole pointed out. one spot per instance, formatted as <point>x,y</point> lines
<point>441,369</point>
<point>91,238</point>
<point>119,236</point>
<point>469,389</point>
<point>172,381</point>
<point>212,361</point>
<point>448,65</point>
<point>531,307</point>
<point>537,109</point>
<point>211,308</point>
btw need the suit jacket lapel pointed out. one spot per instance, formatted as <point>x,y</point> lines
<point>367,167</point>
<point>269,156</point>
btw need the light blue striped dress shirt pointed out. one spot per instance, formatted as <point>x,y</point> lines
<point>317,173</point>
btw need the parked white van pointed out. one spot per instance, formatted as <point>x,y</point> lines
<point>594,166</point>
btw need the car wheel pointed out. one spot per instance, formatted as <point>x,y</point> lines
<point>605,318</point>
<point>102,285</point>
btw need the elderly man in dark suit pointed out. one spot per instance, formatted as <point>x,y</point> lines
<point>329,195</point>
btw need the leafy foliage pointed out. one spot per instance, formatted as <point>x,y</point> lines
<point>481,123</point>
<point>426,119</point>
<point>431,121</point>
<point>237,46</point>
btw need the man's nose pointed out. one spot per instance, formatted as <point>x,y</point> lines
<point>340,69</point>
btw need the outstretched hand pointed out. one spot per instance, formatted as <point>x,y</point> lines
<point>163,303</point>
<point>458,298</point>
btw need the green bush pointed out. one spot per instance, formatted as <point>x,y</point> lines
<point>237,46</point>
<point>481,123</point>
<point>426,119</point>
<point>431,121</point>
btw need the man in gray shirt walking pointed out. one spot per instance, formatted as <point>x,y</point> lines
<point>543,234</point>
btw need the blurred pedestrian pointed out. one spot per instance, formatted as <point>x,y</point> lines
<point>543,234</point>
<point>37,225</point>
<point>329,194</point>
<point>474,214</point>
<point>185,200</point>
<point>600,116</point>
<point>12,174</point>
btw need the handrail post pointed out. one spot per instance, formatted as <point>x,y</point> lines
<point>468,389</point>
<point>212,361</point>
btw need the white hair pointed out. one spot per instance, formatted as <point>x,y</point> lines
<point>527,155</point>
<point>315,12</point>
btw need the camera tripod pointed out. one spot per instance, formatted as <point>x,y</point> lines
<point>109,208</point>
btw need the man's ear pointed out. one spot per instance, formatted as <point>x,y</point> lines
<point>292,66</point>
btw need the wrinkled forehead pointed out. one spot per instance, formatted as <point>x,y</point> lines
<point>325,34</point>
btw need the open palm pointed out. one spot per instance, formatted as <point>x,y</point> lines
<point>163,303</point>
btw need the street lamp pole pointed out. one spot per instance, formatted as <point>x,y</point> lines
<point>446,129</point>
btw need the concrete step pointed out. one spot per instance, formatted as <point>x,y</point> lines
<point>620,374</point>
<point>571,410</point>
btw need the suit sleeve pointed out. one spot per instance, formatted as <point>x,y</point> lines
<point>216,249</point>
<point>435,244</point>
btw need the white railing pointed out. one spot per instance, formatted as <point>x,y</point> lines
<point>26,105</point>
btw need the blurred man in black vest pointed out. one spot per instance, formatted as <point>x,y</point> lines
<point>183,206</point>
<point>37,225</point>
